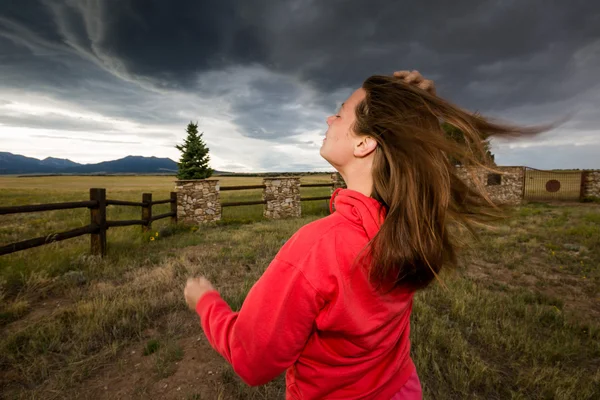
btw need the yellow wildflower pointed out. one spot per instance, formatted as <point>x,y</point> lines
<point>151,238</point>
<point>156,234</point>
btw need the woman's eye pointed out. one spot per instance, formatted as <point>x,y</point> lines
<point>337,116</point>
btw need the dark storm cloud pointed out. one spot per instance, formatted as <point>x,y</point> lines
<point>496,57</point>
<point>166,41</point>
<point>273,101</point>
<point>483,53</point>
<point>525,46</point>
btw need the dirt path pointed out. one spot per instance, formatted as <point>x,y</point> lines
<point>197,376</point>
<point>200,373</point>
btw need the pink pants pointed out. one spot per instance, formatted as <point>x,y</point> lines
<point>411,389</point>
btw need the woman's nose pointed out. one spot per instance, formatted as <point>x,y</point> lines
<point>330,119</point>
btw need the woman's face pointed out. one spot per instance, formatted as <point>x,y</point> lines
<point>339,143</point>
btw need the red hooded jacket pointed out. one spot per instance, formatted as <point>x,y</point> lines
<point>315,316</point>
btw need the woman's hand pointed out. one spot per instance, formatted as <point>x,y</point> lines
<point>415,78</point>
<point>194,289</point>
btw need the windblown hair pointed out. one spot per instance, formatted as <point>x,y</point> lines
<point>416,180</point>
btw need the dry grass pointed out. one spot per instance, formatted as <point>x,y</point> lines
<point>131,298</point>
<point>519,318</point>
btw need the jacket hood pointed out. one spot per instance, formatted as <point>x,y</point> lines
<point>359,209</point>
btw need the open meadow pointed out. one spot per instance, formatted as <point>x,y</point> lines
<point>519,319</point>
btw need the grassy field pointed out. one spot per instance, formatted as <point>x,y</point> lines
<point>57,258</point>
<point>518,319</point>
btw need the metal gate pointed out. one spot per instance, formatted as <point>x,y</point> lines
<point>552,185</point>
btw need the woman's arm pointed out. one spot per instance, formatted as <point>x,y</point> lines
<point>271,329</point>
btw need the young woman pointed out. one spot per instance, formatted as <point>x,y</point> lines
<point>333,307</point>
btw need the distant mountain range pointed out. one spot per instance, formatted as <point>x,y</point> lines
<point>17,164</point>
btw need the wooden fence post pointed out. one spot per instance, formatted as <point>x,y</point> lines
<point>98,218</point>
<point>174,207</point>
<point>582,190</point>
<point>524,183</point>
<point>147,211</point>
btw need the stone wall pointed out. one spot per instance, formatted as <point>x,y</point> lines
<point>504,188</point>
<point>198,201</point>
<point>338,181</point>
<point>283,198</point>
<point>592,184</point>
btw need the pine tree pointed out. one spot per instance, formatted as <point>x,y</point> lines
<point>194,160</point>
<point>457,135</point>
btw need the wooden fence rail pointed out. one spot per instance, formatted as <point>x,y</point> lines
<point>257,202</point>
<point>247,187</point>
<point>98,222</point>
<point>316,185</point>
<point>47,207</point>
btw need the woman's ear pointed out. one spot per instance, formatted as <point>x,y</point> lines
<point>364,146</point>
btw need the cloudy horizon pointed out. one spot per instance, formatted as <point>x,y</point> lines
<point>96,80</point>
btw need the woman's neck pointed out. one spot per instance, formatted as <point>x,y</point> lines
<point>359,181</point>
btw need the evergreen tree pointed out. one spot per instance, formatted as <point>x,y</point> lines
<point>457,135</point>
<point>194,160</point>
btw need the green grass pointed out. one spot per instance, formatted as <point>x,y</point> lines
<point>165,358</point>
<point>519,318</point>
<point>471,342</point>
<point>151,347</point>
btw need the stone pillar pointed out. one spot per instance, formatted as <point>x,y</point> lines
<point>503,188</point>
<point>591,184</point>
<point>283,198</point>
<point>338,181</point>
<point>198,201</point>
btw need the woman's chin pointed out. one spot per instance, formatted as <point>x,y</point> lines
<point>321,152</point>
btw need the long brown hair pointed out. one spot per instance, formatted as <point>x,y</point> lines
<point>416,181</point>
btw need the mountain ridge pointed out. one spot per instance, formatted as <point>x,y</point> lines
<point>18,164</point>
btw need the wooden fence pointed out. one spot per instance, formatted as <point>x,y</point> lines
<point>98,223</point>
<point>256,202</point>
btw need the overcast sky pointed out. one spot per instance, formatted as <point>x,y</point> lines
<point>98,80</point>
